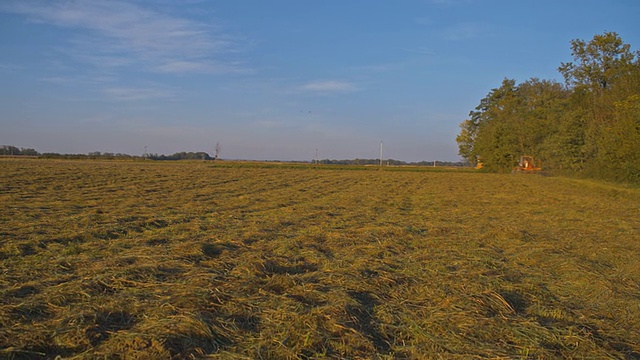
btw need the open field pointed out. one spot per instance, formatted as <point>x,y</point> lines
<point>188,260</point>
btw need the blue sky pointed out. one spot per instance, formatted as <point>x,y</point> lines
<point>275,80</point>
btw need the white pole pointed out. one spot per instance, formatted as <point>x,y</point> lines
<point>380,153</point>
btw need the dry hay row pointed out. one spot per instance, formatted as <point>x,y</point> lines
<point>386,265</point>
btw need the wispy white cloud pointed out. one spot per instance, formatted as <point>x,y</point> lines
<point>329,86</point>
<point>419,50</point>
<point>138,93</point>
<point>9,67</point>
<point>462,31</point>
<point>77,80</point>
<point>119,33</point>
<point>374,68</point>
<point>60,80</point>
<point>182,66</point>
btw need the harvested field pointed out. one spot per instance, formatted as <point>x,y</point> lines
<point>143,260</point>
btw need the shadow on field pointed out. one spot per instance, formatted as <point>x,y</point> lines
<point>271,267</point>
<point>364,321</point>
<point>106,323</point>
<point>248,323</point>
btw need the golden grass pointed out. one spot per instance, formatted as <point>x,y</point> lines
<point>191,260</point>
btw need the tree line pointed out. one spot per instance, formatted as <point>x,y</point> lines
<point>200,155</point>
<point>182,156</point>
<point>9,150</point>
<point>388,162</point>
<point>588,126</point>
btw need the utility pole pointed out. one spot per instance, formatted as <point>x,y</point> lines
<point>380,153</point>
<point>217,150</point>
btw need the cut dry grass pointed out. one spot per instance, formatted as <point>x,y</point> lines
<point>191,260</point>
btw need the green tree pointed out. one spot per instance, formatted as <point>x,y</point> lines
<point>563,150</point>
<point>511,121</point>
<point>484,135</point>
<point>599,63</point>
<point>590,126</point>
<point>466,141</point>
<point>605,79</point>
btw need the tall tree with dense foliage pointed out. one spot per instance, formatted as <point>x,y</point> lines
<point>589,126</point>
<point>604,76</point>
<point>510,121</point>
<point>599,64</point>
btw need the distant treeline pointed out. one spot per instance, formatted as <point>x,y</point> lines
<point>92,155</point>
<point>182,156</point>
<point>8,150</point>
<point>390,162</point>
<point>200,155</point>
<point>588,126</point>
